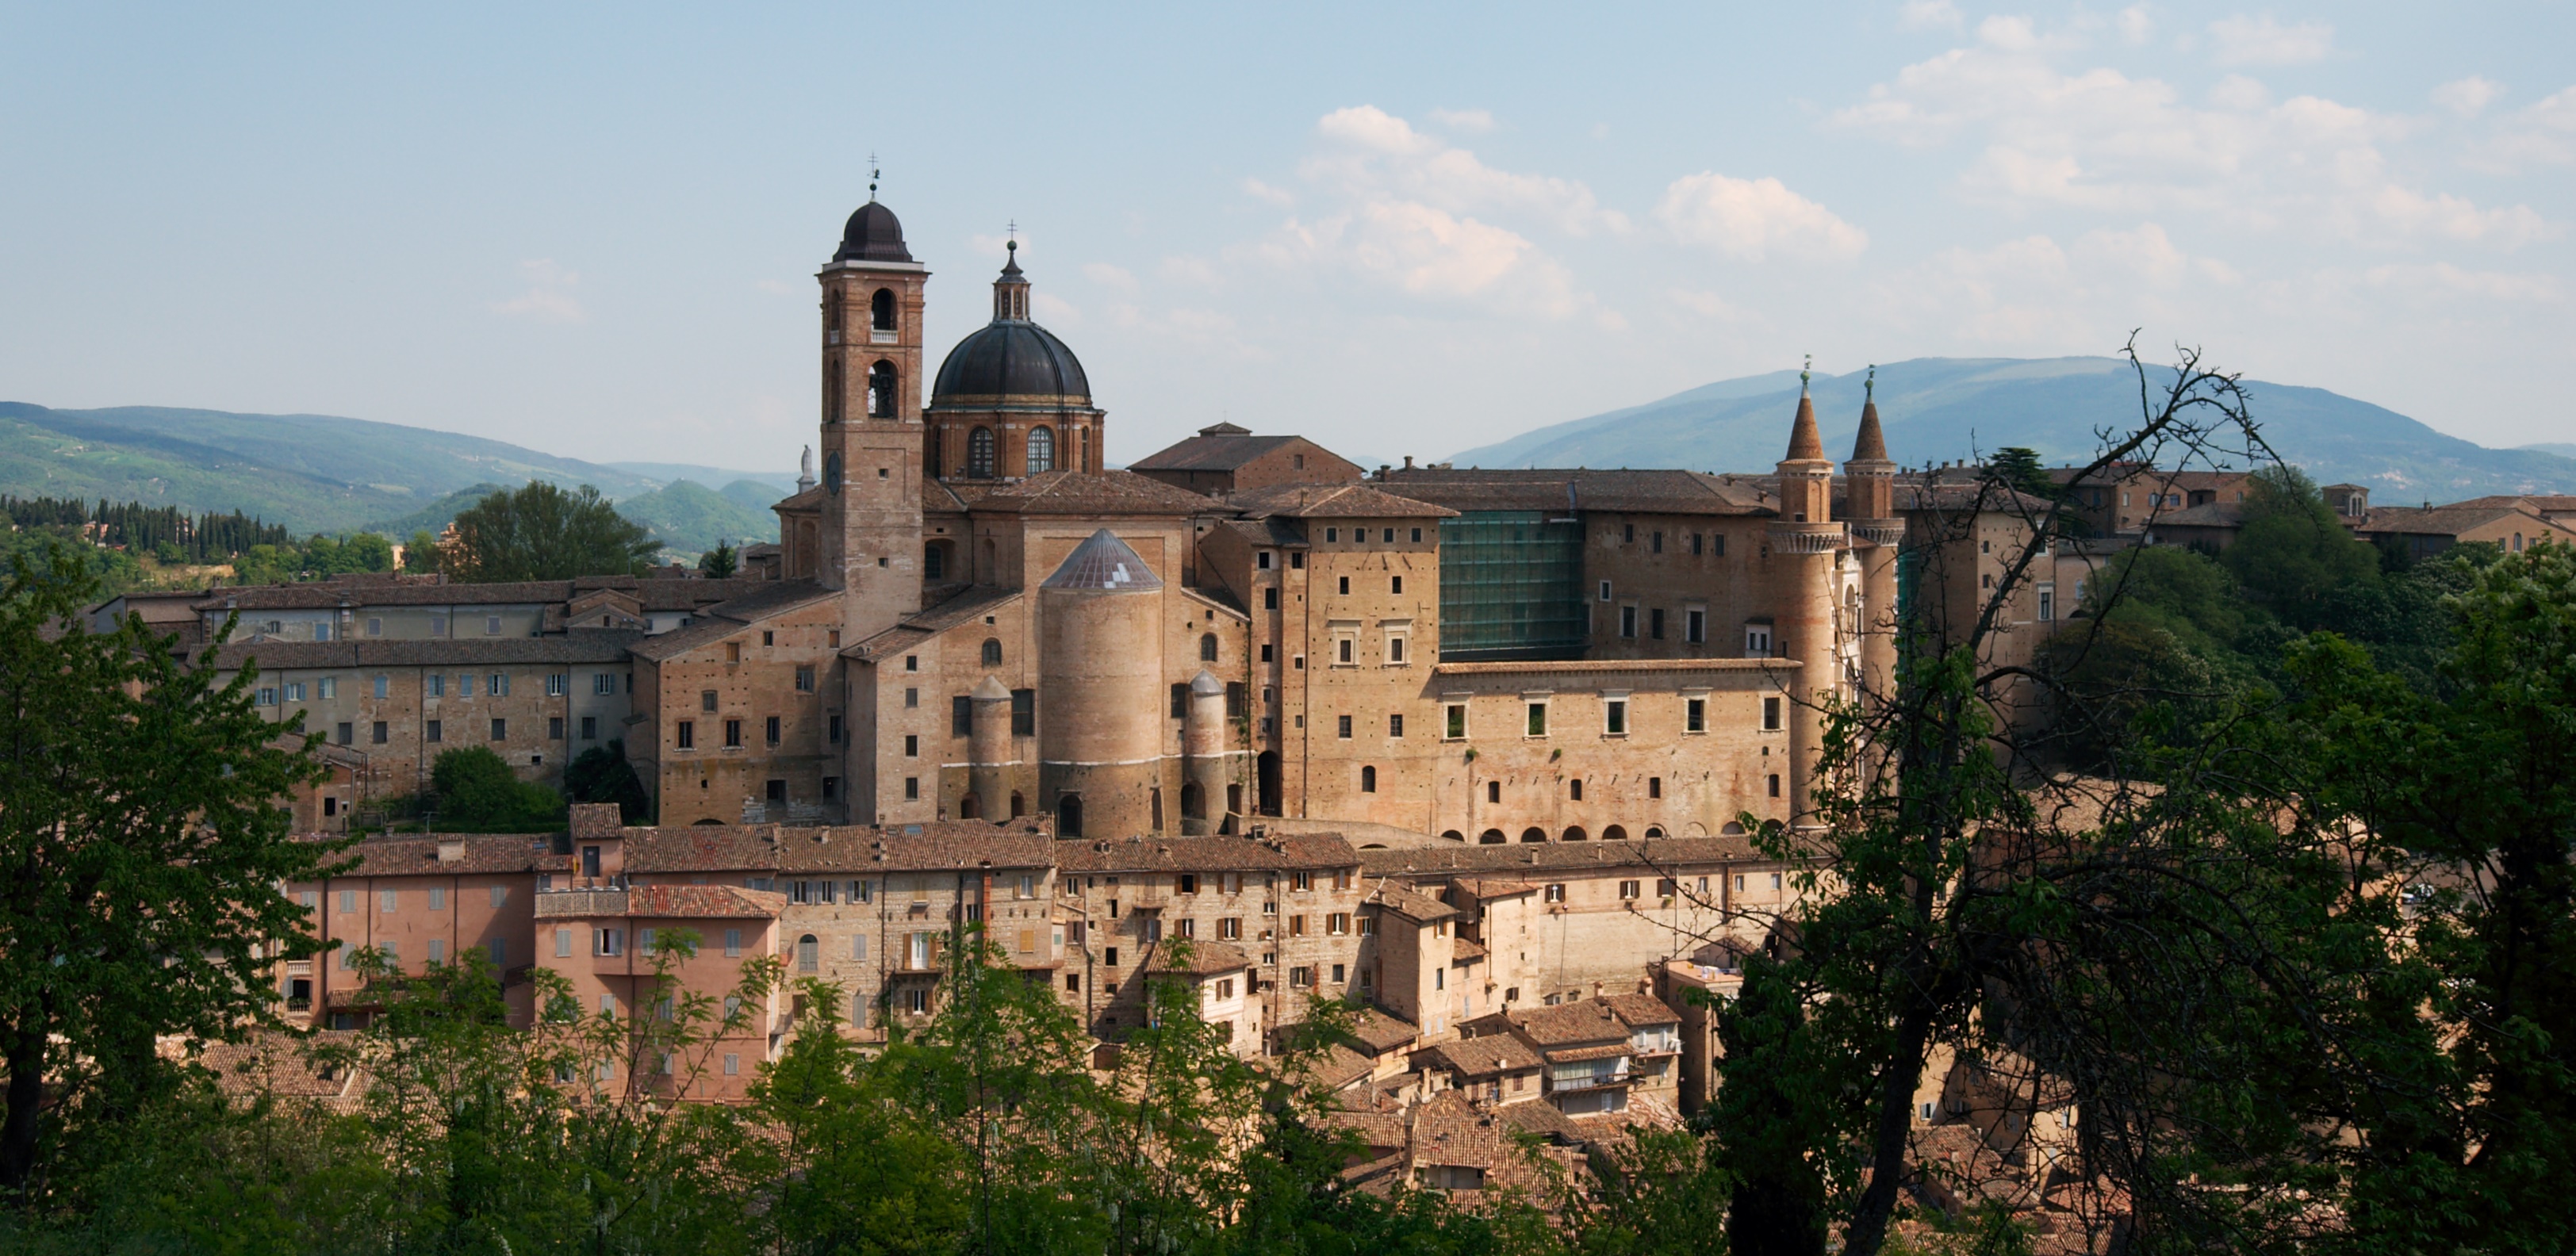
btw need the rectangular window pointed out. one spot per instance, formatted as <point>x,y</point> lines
<point>1332,534</point>
<point>1262,560</point>
<point>438,898</point>
<point>1270,599</point>
<point>295,691</point>
<point>1395,648</point>
<point>769,730</point>
<point>1538,719</point>
<point>1344,728</point>
<point>1395,726</point>
<point>500,729</point>
<point>1695,626</point>
<point>438,625</point>
<point>1396,585</point>
<point>961,716</point>
<point>438,686</point>
<point>385,902</point>
<point>1338,923</point>
<point>1554,894</point>
<point>603,684</point>
<point>345,733</point>
<point>557,684</point>
<point>1024,713</point>
<point>1628,622</point>
<point>499,684</point>
<point>327,688</point>
<point>1757,641</point>
<point>1238,699</point>
<point>609,942</point>
<point>1605,590</point>
<point>500,895</point>
<point>1180,701</point>
<point>685,734</point>
<point>429,730</point>
<point>1455,726</point>
<point>554,728</point>
<point>707,700</point>
<point>1614,717</point>
<point>465,685</point>
<point>378,733</point>
<point>1654,787</point>
<point>1230,929</point>
<point>1655,620</point>
<point>2047,605</point>
<point>1342,650</point>
<point>911,746</point>
<point>1771,715</point>
<point>1344,586</point>
<point>1658,546</point>
<point>491,625</point>
<point>805,679</point>
<point>912,787</point>
<point>1694,715</point>
<point>590,728</point>
<point>563,943</point>
<point>733,733</point>
<point>1627,890</point>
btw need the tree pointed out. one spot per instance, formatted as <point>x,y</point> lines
<point>420,553</point>
<point>2018,467</point>
<point>478,793</point>
<point>719,562</point>
<point>541,532</point>
<point>142,824</point>
<point>602,774</point>
<point>2292,553</point>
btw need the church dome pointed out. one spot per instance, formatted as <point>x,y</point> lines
<point>873,235</point>
<point>1011,358</point>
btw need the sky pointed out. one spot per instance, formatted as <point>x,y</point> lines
<point>1401,230</point>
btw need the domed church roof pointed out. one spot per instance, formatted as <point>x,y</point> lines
<point>1011,357</point>
<point>873,235</point>
<point>1103,562</point>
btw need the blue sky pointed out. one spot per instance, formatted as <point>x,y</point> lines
<point>1402,230</point>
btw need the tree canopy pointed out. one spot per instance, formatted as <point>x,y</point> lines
<point>542,532</point>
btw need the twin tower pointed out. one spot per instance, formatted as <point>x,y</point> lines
<point>1814,616</point>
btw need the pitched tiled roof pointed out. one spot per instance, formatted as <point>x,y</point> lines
<point>1269,530</point>
<point>1332,501</point>
<point>597,645</point>
<point>1096,492</point>
<point>1206,854</point>
<point>1207,959</point>
<point>2455,519</point>
<point>1641,1009</point>
<point>281,1065</point>
<point>702,848</point>
<point>1568,1025</point>
<point>1626,491</point>
<point>1530,859</point>
<point>417,854</point>
<point>807,499</point>
<point>1222,451</point>
<point>726,618</point>
<point>941,846</point>
<point>1417,907</point>
<point>1487,1056</point>
<point>969,605</point>
<point>665,901</point>
<point>1382,1031</point>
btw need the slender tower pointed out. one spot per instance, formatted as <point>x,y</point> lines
<point>870,548</point>
<point>1876,530</point>
<point>1804,543</point>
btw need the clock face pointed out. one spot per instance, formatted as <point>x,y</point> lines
<point>832,472</point>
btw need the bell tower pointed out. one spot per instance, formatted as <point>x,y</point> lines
<point>870,547</point>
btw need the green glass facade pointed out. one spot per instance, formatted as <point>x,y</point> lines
<point>1511,587</point>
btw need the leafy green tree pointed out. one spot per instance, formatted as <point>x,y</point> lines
<point>2018,467</point>
<point>719,562</point>
<point>141,819</point>
<point>2292,553</point>
<point>420,553</point>
<point>478,793</point>
<point>542,532</point>
<point>602,774</point>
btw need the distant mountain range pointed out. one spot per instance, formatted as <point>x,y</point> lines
<point>1950,409</point>
<point>322,473</point>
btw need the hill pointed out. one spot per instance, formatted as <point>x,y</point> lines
<point>311,472</point>
<point>689,518</point>
<point>1941,409</point>
<point>435,517</point>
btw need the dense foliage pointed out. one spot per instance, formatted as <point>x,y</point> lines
<point>542,532</point>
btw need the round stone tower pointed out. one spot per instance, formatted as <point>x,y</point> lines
<point>1100,700</point>
<point>1203,797</point>
<point>988,753</point>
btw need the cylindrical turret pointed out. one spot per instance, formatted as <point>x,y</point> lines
<point>1876,530</point>
<point>1804,542</point>
<point>988,752</point>
<point>1203,809</point>
<point>1100,708</point>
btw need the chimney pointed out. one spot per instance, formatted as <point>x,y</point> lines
<point>451,850</point>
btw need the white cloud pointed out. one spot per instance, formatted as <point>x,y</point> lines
<point>2468,97</point>
<point>2541,133</point>
<point>1929,14</point>
<point>1370,153</point>
<point>2012,34</point>
<point>1750,219</point>
<point>2100,140</point>
<point>2035,295</point>
<point>1108,276</point>
<point>2243,40</point>
<point>549,298</point>
<point>2444,279</point>
<point>1473,121</point>
<point>1047,307</point>
<point>2136,24</point>
<point>1262,191</point>
<point>1425,251</point>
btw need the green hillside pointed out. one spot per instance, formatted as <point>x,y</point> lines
<point>1942,409</point>
<point>689,518</point>
<point>311,472</point>
<point>435,517</point>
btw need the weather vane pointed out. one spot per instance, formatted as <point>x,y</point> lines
<point>1805,371</point>
<point>873,174</point>
<point>1013,230</point>
<point>1869,386</point>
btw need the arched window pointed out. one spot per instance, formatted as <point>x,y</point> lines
<point>1041,449</point>
<point>1019,806</point>
<point>1452,835</point>
<point>1533,835</point>
<point>881,310</point>
<point>1731,829</point>
<point>934,450</point>
<point>979,453</point>
<point>1068,816</point>
<point>1654,832</point>
<point>1575,834</point>
<point>832,313</point>
<point>1207,647</point>
<point>1368,780</point>
<point>1193,801</point>
<point>832,391</point>
<point>809,954</point>
<point>968,808</point>
<point>1615,833</point>
<point>992,651</point>
<point>1156,796</point>
<point>1490,837</point>
<point>881,391</point>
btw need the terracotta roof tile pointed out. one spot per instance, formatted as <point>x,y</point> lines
<point>1488,1056</point>
<point>1558,490</point>
<point>940,846</point>
<point>1206,854</point>
<point>1411,904</point>
<point>1207,959</point>
<point>597,645</point>
<point>1332,501</point>
<point>418,854</point>
<point>1099,492</point>
<point>1223,451</point>
<point>1531,859</point>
